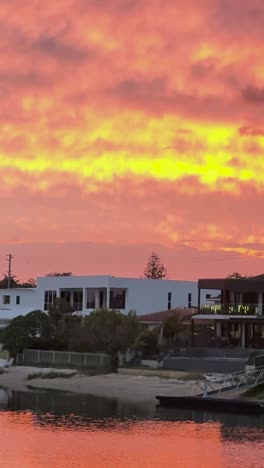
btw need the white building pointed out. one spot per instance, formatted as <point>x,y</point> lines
<point>16,301</point>
<point>87,293</point>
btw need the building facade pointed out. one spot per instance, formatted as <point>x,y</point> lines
<point>86,293</point>
<point>236,318</point>
<point>16,301</point>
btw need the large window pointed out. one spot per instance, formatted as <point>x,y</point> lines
<point>117,299</point>
<point>49,298</point>
<point>66,296</point>
<point>102,299</point>
<point>90,298</point>
<point>6,299</point>
<point>78,300</point>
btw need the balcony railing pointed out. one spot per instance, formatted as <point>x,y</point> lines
<point>230,309</point>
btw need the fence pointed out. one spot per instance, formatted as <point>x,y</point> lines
<point>66,359</point>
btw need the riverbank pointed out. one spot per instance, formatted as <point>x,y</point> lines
<point>134,388</point>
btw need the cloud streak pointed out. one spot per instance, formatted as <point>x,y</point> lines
<point>146,117</point>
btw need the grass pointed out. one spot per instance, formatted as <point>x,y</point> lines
<point>255,392</point>
<point>51,375</point>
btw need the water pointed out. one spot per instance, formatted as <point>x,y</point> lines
<point>43,429</point>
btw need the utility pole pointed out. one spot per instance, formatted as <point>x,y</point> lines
<point>9,259</point>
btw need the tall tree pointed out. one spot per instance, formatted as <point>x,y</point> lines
<point>155,269</point>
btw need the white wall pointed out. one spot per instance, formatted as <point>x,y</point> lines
<point>142,295</point>
<point>28,302</point>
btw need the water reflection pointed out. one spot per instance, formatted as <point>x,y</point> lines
<point>236,427</point>
<point>56,429</point>
<point>59,409</point>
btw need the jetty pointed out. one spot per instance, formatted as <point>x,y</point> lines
<point>210,393</point>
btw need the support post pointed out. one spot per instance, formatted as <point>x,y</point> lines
<point>260,305</point>
<point>84,304</point>
<point>199,299</point>
<point>192,332</point>
<point>243,334</point>
<point>218,331</point>
<point>108,298</point>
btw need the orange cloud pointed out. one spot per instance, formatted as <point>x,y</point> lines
<point>145,111</point>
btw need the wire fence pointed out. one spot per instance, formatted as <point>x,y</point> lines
<point>65,359</point>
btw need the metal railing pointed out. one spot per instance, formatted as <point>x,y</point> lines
<point>259,360</point>
<point>232,309</point>
<point>234,381</point>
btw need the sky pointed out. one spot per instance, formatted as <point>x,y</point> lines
<point>132,126</point>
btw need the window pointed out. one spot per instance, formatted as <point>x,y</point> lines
<point>169,300</point>
<point>49,298</point>
<point>17,300</point>
<point>66,296</point>
<point>90,299</point>
<point>78,300</point>
<point>189,300</point>
<point>102,299</point>
<point>117,299</point>
<point>208,296</point>
<point>6,299</point>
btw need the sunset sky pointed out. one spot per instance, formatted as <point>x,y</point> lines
<point>129,126</point>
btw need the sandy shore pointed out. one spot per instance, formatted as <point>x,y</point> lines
<point>132,388</point>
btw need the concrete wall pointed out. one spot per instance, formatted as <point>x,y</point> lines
<point>205,365</point>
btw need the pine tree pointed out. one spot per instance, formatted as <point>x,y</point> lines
<point>154,268</point>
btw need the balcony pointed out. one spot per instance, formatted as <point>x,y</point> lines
<point>231,309</point>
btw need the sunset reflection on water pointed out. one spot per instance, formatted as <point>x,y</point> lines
<point>31,440</point>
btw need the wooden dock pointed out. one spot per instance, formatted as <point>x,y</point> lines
<point>215,404</point>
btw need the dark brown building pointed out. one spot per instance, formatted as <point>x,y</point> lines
<point>235,318</point>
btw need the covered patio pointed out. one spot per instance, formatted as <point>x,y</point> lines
<point>231,331</point>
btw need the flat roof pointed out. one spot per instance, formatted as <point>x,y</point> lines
<point>237,285</point>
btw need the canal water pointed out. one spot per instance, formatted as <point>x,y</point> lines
<point>44,429</point>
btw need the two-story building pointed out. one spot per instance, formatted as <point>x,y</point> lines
<point>236,318</point>
<point>86,293</point>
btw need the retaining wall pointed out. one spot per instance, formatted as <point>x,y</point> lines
<point>205,365</point>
